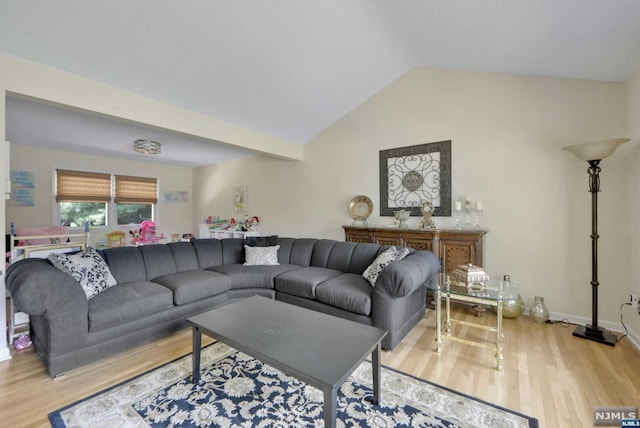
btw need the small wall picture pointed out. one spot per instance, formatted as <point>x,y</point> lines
<point>176,197</point>
<point>22,189</point>
<point>240,199</point>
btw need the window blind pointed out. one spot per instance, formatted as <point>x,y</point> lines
<point>80,186</point>
<point>136,190</point>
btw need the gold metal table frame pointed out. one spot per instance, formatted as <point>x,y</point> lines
<point>492,293</point>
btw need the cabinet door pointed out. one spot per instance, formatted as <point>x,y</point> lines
<point>357,235</point>
<point>382,238</point>
<point>456,253</point>
<point>418,240</point>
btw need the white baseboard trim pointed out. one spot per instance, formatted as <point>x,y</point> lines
<point>633,336</point>
<point>5,354</point>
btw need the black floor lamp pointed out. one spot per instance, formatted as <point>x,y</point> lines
<point>593,153</point>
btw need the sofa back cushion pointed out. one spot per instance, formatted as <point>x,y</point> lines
<point>125,263</point>
<point>340,256</point>
<point>284,253</point>
<point>158,260</point>
<point>208,251</point>
<point>232,251</point>
<point>302,251</point>
<point>185,256</point>
<point>321,252</point>
<point>363,255</point>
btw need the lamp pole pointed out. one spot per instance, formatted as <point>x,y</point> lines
<point>593,153</point>
<point>592,331</point>
<point>594,188</point>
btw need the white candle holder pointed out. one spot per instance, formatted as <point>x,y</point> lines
<point>457,217</point>
<point>477,215</point>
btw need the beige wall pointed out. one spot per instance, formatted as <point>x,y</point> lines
<point>507,132</point>
<point>632,168</point>
<point>170,218</point>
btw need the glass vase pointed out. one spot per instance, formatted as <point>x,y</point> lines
<point>539,311</point>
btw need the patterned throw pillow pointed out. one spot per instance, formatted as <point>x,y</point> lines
<point>88,268</point>
<point>261,241</point>
<point>265,256</point>
<point>383,260</point>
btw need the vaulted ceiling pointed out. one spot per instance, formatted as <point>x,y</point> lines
<point>292,68</point>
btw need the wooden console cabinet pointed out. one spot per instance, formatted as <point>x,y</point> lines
<point>453,247</point>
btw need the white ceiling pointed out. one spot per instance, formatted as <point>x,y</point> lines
<point>291,68</point>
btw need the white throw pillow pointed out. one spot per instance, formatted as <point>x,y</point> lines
<point>383,260</point>
<point>265,256</point>
<point>88,268</point>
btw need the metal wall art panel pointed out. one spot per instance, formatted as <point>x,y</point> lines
<point>412,175</point>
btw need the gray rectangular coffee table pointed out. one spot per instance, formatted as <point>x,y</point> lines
<point>318,349</point>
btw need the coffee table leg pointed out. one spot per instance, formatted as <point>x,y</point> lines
<point>330,403</point>
<point>375,362</point>
<point>195,356</point>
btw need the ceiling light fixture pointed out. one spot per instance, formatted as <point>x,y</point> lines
<point>148,147</point>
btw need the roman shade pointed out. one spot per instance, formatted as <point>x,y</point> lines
<point>136,190</point>
<point>81,186</point>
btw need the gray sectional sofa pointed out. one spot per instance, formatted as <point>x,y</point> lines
<point>159,286</point>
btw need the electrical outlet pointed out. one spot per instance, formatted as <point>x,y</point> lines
<point>634,302</point>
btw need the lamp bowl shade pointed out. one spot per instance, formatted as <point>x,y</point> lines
<point>595,150</point>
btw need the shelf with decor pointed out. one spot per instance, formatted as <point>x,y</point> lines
<point>453,247</point>
<point>206,231</point>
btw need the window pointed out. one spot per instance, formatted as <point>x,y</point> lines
<point>135,198</point>
<point>82,197</point>
<point>86,197</point>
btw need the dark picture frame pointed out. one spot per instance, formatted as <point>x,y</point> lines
<point>409,176</point>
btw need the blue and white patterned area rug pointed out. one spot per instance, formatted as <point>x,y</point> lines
<point>236,390</point>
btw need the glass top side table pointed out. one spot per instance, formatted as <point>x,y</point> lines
<point>491,292</point>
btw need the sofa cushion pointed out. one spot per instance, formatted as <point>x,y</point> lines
<point>284,253</point>
<point>256,256</point>
<point>363,255</point>
<point>194,285</point>
<point>208,251</point>
<point>185,255</point>
<point>302,250</point>
<point>125,263</point>
<point>340,256</point>
<point>158,260</point>
<point>232,250</point>
<point>252,276</point>
<point>302,282</point>
<point>86,267</point>
<point>321,252</point>
<point>127,302</point>
<point>348,291</point>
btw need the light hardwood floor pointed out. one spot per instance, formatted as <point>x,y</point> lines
<point>548,373</point>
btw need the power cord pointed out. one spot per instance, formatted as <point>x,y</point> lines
<point>566,323</point>
<point>626,332</point>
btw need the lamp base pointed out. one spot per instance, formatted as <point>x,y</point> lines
<point>596,334</point>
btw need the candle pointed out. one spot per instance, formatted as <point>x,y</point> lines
<point>458,206</point>
<point>479,205</point>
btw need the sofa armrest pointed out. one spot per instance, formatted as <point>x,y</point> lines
<point>37,287</point>
<point>405,276</point>
<point>42,290</point>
